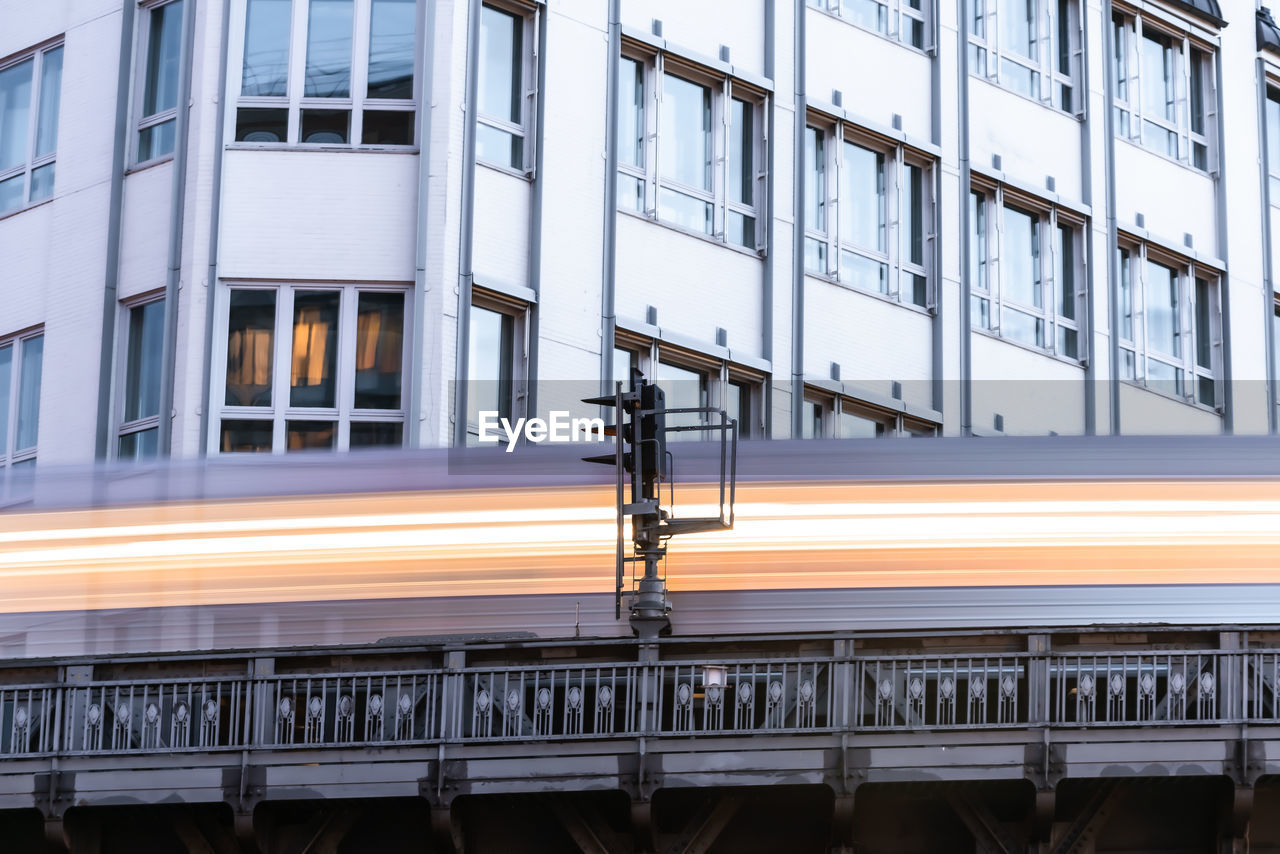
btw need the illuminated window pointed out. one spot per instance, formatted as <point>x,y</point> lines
<point>140,404</point>
<point>21,358</point>
<point>313,367</point>
<point>160,54</point>
<point>354,83</point>
<point>698,161</point>
<point>30,91</point>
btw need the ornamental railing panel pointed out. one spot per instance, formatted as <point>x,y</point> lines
<point>940,692</point>
<point>1142,688</point>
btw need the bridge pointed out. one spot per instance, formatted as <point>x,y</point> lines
<point>1075,739</point>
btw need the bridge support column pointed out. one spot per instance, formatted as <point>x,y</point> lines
<point>1233,821</point>
<point>842,824</point>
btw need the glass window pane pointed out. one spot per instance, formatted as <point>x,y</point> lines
<point>372,434</point>
<point>310,435</point>
<point>388,127</point>
<point>392,27</point>
<point>740,229</point>
<point>1198,62</point>
<point>630,112</point>
<point>489,363</point>
<point>250,335</point>
<point>156,141</point>
<point>245,436</point>
<point>866,13</point>
<point>913,199</point>
<point>50,99</point>
<point>854,426</point>
<point>1275,363</point>
<point>862,198</point>
<point>42,182</point>
<point>811,420</point>
<point>738,407</point>
<point>1126,295</point>
<point>11,193</point>
<point>326,127</point>
<point>29,393</point>
<point>1160,303</point>
<point>977,242</point>
<point>1018,27</point>
<point>741,153</point>
<point>256,125</point>
<point>1273,140</point>
<point>686,132</point>
<point>683,210</point>
<point>1164,377</point>
<point>815,180</point>
<point>329,49</point>
<point>313,380</point>
<point>684,388</point>
<point>6,372</point>
<point>863,272</point>
<point>1066,272</point>
<point>266,48</point>
<point>499,146</point>
<point>1159,95</point>
<point>142,364</point>
<point>15,113</point>
<point>500,75</point>
<point>379,350</point>
<point>1204,328</point>
<point>622,367</point>
<point>164,46</point>
<point>141,445</point>
<point>1021,261</point>
<point>1018,326</point>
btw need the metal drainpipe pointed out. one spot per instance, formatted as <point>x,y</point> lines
<point>211,281</point>
<point>1224,291</point>
<point>1086,192</point>
<point>935,119</point>
<point>797,272</point>
<point>966,329</point>
<point>609,267</point>
<point>766,289</point>
<point>177,201</point>
<point>1113,266</point>
<point>420,288</point>
<point>466,220</point>
<point>535,218</point>
<point>1268,274</point>
<point>111,276</point>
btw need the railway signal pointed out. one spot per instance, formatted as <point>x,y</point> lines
<point>643,464</point>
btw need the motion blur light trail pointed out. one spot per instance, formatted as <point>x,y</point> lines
<point>522,541</point>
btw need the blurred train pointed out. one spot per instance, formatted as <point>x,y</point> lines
<point>831,536</point>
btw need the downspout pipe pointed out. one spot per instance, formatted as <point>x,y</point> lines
<point>111,276</point>
<point>535,216</point>
<point>797,272</point>
<point>1224,289</point>
<point>1268,271</point>
<point>177,202</point>
<point>211,280</point>
<point>935,118</point>
<point>419,349</point>
<point>1113,235</point>
<point>1086,191</point>
<point>966,184</point>
<point>766,288</point>
<point>466,275</point>
<point>609,263</point>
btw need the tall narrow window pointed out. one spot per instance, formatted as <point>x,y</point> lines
<point>20,367</point>
<point>500,133</point>
<point>815,200</point>
<point>979,289</point>
<point>1159,93</point>
<point>1020,58</point>
<point>495,366</point>
<point>162,46</point>
<point>1022,318</point>
<point>144,354</point>
<point>631,135</point>
<point>862,217</point>
<point>355,84</point>
<point>30,94</point>
<point>740,222</point>
<point>685,154</point>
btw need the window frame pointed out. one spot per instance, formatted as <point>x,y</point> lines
<point>1133,284</point>
<point>520,314</point>
<point>830,406</point>
<point>34,161</point>
<point>143,122</point>
<point>344,413</point>
<point>655,65</point>
<point>893,15</point>
<point>895,158</point>
<point>10,454</point>
<point>988,293</point>
<point>138,425</point>
<point>1130,30</point>
<point>295,101</point>
<point>530,17</point>
<point>988,56</point>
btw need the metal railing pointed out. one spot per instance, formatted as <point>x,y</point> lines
<point>629,699</point>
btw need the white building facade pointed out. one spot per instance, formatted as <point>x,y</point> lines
<point>277,225</point>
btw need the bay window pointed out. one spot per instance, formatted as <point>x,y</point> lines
<point>350,78</point>
<point>697,160</point>
<point>30,93</point>
<point>1165,92</point>
<point>1170,324</point>
<point>312,366</point>
<point>1032,47</point>
<point>868,213</point>
<point>1026,271</point>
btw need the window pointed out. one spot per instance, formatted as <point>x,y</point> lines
<point>313,366</point>
<point>353,84</point>
<point>899,19</point>
<point>497,361</point>
<point>20,361</point>
<point>1165,90</point>
<point>144,354</point>
<point>870,227</point>
<point>1273,144</point>
<point>30,89</point>
<point>1170,324</point>
<point>690,380</point>
<point>826,415</point>
<point>698,160</point>
<point>1029,46</point>
<point>504,100</point>
<point>1026,271</point>
<point>158,110</point>
<point>1275,359</point>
